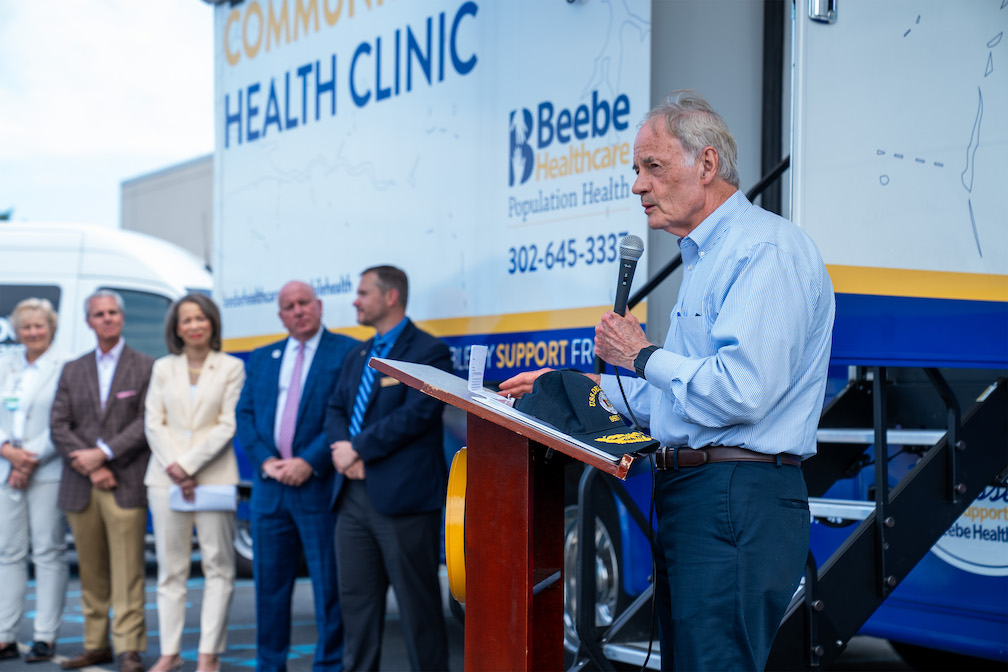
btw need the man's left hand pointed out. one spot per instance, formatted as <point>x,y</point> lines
<point>355,472</point>
<point>87,460</point>
<point>619,339</point>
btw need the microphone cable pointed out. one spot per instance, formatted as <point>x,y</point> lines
<point>631,248</point>
<point>650,531</point>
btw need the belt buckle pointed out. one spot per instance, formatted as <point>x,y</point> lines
<point>661,458</point>
<point>666,464</point>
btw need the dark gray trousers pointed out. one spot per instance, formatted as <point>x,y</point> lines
<point>374,551</point>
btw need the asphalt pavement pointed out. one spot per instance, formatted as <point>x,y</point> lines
<point>241,650</point>
<point>863,653</point>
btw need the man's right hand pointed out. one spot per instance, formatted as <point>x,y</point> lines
<point>103,478</point>
<point>521,384</point>
<point>273,468</point>
<point>293,472</point>
<point>343,455</point>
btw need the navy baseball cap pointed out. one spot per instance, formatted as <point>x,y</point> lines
<point>571,402</point>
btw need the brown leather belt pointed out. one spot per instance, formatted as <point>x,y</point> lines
<point>675,458</point>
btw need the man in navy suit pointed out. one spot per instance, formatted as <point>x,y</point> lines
<point>280,426</point>
<point>387,446</point>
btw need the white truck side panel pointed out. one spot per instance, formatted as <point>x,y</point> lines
<point>901,143</point>
<point>499,178</point>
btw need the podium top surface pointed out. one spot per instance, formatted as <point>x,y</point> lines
<point>454,390</point>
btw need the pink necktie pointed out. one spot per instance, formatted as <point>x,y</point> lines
<point>285,441</point>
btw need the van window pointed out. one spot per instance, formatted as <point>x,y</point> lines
<point>11,295</point>
<point>145,316</point>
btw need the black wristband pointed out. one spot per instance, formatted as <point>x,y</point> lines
<point>640,361</point>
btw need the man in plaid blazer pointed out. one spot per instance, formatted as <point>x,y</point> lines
<point>98,429</point>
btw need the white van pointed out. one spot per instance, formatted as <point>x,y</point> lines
<point>65,263</point>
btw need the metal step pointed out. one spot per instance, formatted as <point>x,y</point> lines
<point>634,653</point>
<point>845,509</point>
<point>886,545</point>
<point>866,436</point>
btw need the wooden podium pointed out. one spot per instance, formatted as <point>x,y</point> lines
<point>513,524</point>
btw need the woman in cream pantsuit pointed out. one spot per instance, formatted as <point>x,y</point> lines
<point>190,421</point>
<point>30,470</point>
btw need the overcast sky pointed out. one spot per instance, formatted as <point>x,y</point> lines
<point>94,92</point>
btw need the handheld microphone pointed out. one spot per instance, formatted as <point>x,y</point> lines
<point>631,248</point>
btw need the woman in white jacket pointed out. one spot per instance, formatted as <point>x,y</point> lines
<point>190,421</point>
<point>30,471</point>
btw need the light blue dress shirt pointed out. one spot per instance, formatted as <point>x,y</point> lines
<point>391,336</point>
<point>745,360</point>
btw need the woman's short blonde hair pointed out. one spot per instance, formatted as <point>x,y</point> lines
<point>42,305</point>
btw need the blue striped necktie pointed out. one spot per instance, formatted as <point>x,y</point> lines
<point>378,349</point>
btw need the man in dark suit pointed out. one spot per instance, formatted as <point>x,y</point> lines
<point>98,429</point>
<point>387,446</point>
<point>280,416</point>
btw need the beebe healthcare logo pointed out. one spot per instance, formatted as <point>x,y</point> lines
<point>521,153</point>
<point>977,542</point>
<point>557,141</point>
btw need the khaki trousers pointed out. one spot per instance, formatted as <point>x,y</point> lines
<point>110,549</point>
<point>215,531</point>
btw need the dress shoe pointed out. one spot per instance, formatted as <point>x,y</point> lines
<point>40,651</point>
<point>129,661</point>
<point>9,651</point>
<point>88,657</point>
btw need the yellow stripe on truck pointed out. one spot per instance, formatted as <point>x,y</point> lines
<point>919,284</point>
<point>459,326</point>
